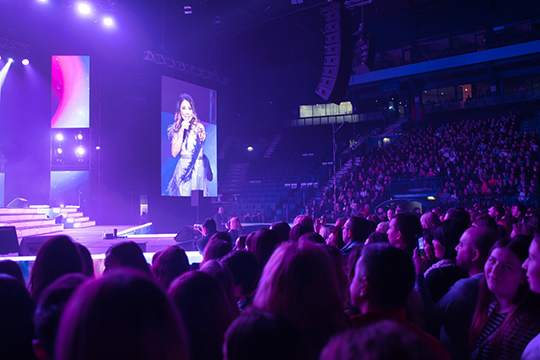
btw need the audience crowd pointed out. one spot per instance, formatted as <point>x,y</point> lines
<point>456,284</point>
<point>473,158</point>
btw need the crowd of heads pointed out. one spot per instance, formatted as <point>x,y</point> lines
<point>288,292</point>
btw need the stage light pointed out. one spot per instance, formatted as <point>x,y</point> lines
<point>98,147</point>
<point>25,62</point>
<point>79,136</point>
<point>80,151</point>
<point>42,1</point>
<point>84,8</point>
<point>250,148</point>
<point>59,150</point>
<point>59,137</point>
<point>108,21</point>
<point>10,60</point>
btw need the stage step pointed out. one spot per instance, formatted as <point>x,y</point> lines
<point>39,230</point>
<point>8,211</point>
<point>22,217</point>
<point>84,224</point>
<point>24,224</point>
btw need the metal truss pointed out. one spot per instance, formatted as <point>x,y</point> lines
<point>159,59</point>
<point>102,5</point>
<point>14,46</point>
<point>351,4</point>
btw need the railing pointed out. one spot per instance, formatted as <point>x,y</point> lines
<point>415,185</point>
<point>483,102</point>
<point>487,201</point>
<point>333,119</point>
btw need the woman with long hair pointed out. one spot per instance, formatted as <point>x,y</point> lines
<point>187,136</point>
<point>506,316</point>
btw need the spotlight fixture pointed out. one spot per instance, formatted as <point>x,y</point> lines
<point>250,148</point>
<point>10,60</point>
<point>187,10</point>
<point>59,150</point>
<point>80,151</point>
<point>79,137</point>
<point>59,137</point>
<point>25,62</point>
<point>84,8</point>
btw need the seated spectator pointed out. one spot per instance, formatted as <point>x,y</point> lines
<point>240,243</point>
<point>123,315</point>
<point>383,280</point>
<point>170,264</point>
<point>304,220</point>
<point>458,214</point>
<point>126,254</point>
<point>335,238</point>
<point>16,324</point>
<point>10,267</point>
<point>298,230</point>
<point>506,317</point>
<point>245,271</point>
<point>313,237</point>
<point>375,238</point>
<point>49,311</point>
<point>56,257</point>
<point>385,339</point>
<point>300,275</point>
<point>205,311</point>
<point>263,336</point>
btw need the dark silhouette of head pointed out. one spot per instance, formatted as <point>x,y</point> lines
<point>126,255</point>
<point>171,263</point>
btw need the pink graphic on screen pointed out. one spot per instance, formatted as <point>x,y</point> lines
<point>70,85</point>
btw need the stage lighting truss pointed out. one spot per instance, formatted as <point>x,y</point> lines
<point>100,5</point>
<point>14,46</point>
<point>351,4</point>
<point>159,59</point>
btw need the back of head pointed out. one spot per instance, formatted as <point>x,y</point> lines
<point>216,249</point>
<point>244,269</point>
<point>361,228</point>
<point>16,324</point>
<point>264,243</point>
<point>282,229</point>
<point>375,238</point>
<point>458,214</point>
<point>409,226</point>
<point>448,234</point>
<point>383,340</point>
<point>313,237</point>
<point>485,220</point>
<point>390,273</point>
<point>223,236</point>
<point>50,308</point>
<point>300,275</point>
<point>205,311</point>
<point>123,315</point>
<point>298,230</point>
<point>126,255</point>
<point>171,263</point>
<point>210,225</point>
<point>56,257</point>
<point>305,220</point>
<point>224,276</point>
<point>430,220</point>
<point>10,267</point>
<point>86,257</point>
<point>263,336</point>
<point>482,239</point>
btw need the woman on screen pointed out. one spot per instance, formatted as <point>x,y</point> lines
<point>187,136</point>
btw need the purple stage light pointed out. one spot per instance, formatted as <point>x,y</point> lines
<point>59,150</point>
<point>84,8</point>
<point>25,62</point>
<point>59,137</point>
<point>79,137</point>
<point>108,21</point>
<point>10,60</point>
<point>80,151</point>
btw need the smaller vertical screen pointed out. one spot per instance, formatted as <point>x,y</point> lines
<point>70,188</point>
<point>70,88</point>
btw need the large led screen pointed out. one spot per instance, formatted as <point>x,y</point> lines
<point>70,87</point>
<point>188,139</point>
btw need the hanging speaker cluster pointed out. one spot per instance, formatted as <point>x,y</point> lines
<point>363,52</point>
<point>338,54</point>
